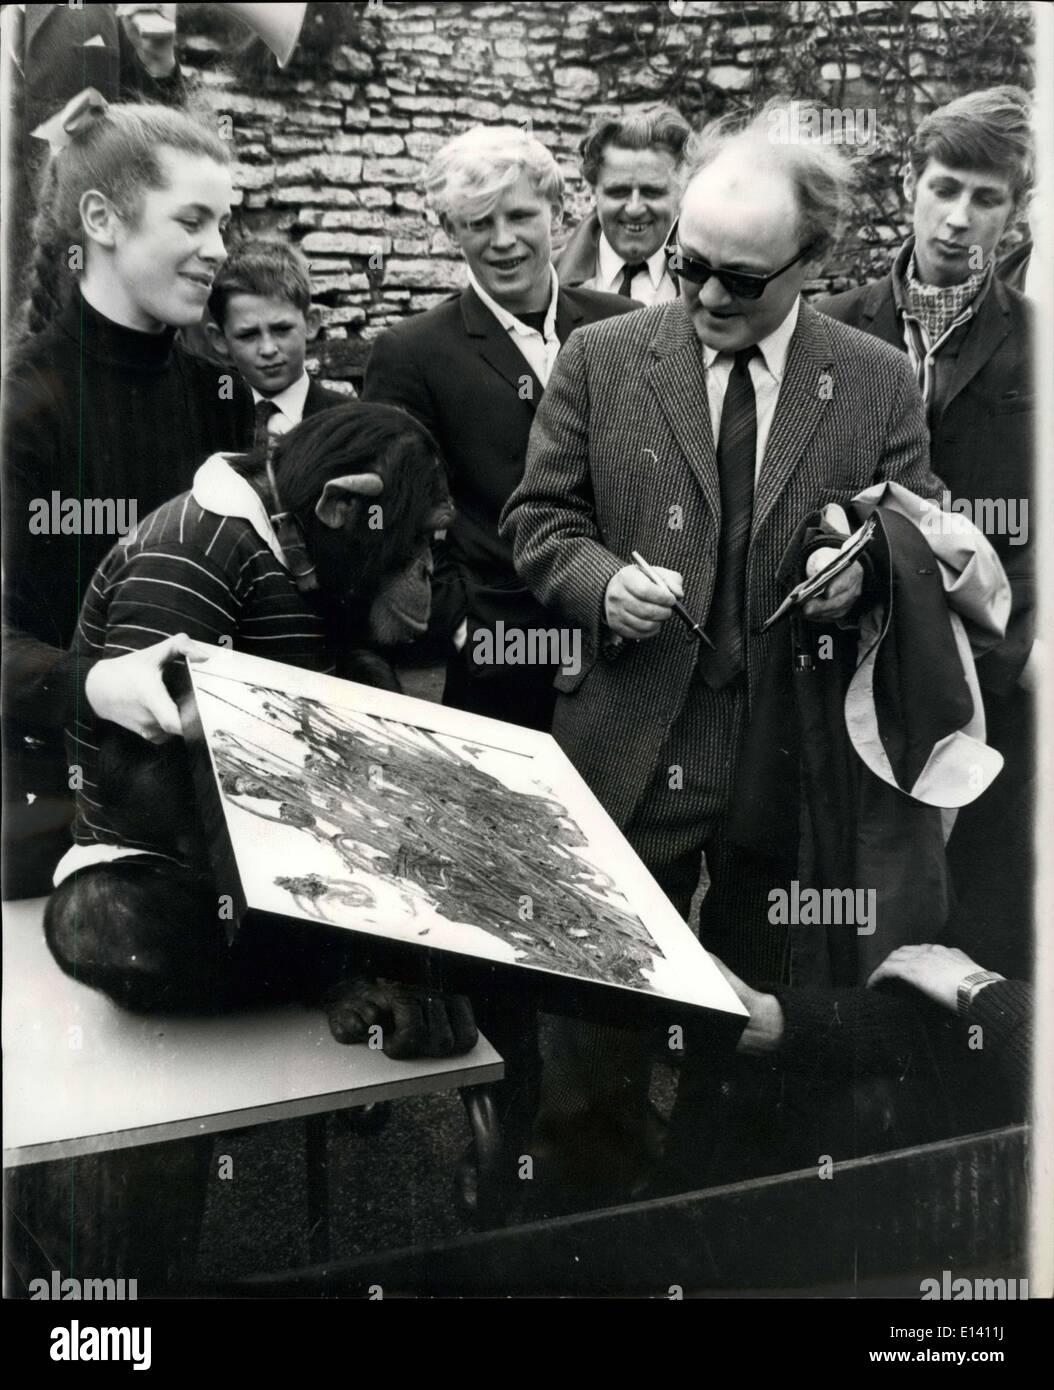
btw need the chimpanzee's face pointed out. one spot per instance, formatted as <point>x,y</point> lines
<point>370,536</point>
<point>400,608</point>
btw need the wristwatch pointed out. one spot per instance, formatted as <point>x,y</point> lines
<point>969,986</point>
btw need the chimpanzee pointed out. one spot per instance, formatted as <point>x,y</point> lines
<point>312,553</point>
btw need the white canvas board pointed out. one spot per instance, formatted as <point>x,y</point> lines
<point>407,820</point>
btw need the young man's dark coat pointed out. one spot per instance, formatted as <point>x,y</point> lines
<point>460,372</point>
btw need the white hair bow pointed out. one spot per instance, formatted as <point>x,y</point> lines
<point>78,113</point>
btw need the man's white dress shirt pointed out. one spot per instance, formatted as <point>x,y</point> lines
<point>290,403</point>
<point>766,373</point>
<point>539,349</point>
<point>653,285</point>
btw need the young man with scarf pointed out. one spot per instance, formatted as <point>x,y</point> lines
<point>969,337</point>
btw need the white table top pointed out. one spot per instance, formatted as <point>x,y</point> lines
<point>82,1076</point>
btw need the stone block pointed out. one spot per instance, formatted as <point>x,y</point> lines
<point>297,144</point>
<point>349,315</point>
<point>352,61</point>
<point>477,110</point>
<point>391,171</point>
<point>430,104</point>
<point>832,72</point>
<point>729,78</point>
<point>375,196</point>
<point>345,244</point>
<point>432,44</point>
<point>431,274</point>
<point>422,144</point>
<point>583,82</point>
<point>253,176</point>
<point>321,168</point>
<point>380,144</point>
<point>301,194</point>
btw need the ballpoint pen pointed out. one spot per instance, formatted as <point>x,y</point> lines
<point>678,606</point>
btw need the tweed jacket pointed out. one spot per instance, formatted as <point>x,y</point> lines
<point>622,457</point>
<point>982,439</point>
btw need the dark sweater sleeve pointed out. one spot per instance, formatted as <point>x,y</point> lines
<point>43,683</point>
<point>848,1033</point>
<point>1004,1011</point>
<point>844,1034</point>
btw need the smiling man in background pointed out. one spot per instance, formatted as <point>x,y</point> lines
<point>632,165</point>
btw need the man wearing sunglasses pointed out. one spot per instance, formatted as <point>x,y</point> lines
<point>699,433</point>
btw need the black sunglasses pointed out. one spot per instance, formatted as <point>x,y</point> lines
<point>737,282</point>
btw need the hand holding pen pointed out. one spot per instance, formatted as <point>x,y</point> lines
<point>641,597</point>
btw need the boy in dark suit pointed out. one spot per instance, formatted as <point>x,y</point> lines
<point>263,319</point>
<point>474,369</point>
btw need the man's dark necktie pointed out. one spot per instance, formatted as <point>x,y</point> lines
<point>630,271</point>
<point>736,459</point>
<point>262,412</point>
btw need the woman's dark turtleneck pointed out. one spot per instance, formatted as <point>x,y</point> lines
<point>91,410</point>
<point>101,338</point>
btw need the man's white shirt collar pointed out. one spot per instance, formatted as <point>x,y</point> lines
<point>290,401</point>
<point>610,264</point>
<point>773,348</point>
<point>510,322</point>
<point>219,488</point>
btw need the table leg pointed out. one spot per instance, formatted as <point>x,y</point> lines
<point>489,1149</point>
<point>363,1119</point>
<point>132,1214</point>
<point>317,1189</point>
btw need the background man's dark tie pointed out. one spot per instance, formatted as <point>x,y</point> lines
<point>736,458</point>
<point>630,271</point>
<point>262,412</point>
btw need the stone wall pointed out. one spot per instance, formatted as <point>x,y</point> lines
<point>331,150</point>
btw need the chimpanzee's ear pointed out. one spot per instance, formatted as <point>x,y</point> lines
<point>339,493</point>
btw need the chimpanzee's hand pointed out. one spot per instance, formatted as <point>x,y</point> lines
<point>413,1022</point>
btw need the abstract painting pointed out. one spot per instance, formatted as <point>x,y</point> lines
<point>388,815</point>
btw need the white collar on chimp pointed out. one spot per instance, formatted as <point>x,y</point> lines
<point>221,489</point>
